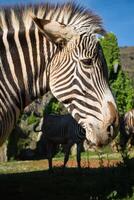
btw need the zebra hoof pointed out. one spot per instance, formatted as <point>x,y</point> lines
<point>51,171</point>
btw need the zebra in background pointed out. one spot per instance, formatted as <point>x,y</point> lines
<point>61,129</point>
<point>127,129</point>
<point>54,47</point>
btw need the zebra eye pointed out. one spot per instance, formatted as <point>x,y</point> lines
<point>87,62</point>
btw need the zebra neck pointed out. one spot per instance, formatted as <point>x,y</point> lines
<point>39,51</point>
<point>24,58</point>
<point>23,61</point>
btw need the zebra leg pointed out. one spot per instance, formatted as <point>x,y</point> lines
<point>49,156</point>
<point>67,152</point>
<point>78,155</point>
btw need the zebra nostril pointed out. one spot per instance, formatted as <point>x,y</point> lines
<point>110,130</point>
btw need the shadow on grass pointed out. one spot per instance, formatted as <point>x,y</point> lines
<point>91,184</point>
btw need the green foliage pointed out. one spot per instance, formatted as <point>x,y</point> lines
<point>124,92</point>
<point>111,52</point>
<point>32,119</point>
<point>54,106</point>
<point>130,94</point>
<point>120,83</point>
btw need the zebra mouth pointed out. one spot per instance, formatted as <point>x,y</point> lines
<point>91,145</point>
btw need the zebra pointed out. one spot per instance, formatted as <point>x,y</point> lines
<point>54,47</point>
<point>127,129</point>
<point>61,129</point>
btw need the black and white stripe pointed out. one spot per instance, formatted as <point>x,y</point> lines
<point>127,129</point>
<point>46,47</point>
<point>129,119</point>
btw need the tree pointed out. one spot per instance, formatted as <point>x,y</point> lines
<point>120,83</point>
<point>112,54</point>
<point>123,90</point>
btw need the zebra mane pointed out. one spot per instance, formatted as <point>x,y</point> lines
<point>81,19</point>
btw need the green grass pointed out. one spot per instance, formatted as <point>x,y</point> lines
<point>105,153</point>
<point>19,167</point>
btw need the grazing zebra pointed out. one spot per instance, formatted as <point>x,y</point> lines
<point>54,47</point>
<point>127,129</point>
<point>61,129</point>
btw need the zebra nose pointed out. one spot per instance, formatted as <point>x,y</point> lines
<point>110,130</point>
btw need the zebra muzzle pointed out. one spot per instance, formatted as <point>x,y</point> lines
<point>110,130</point>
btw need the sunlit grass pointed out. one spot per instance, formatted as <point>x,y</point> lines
<point>39,165</point>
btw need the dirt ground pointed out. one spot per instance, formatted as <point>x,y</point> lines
<point>84,163</point>
<point>41,165</point>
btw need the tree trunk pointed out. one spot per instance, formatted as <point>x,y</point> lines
<point>3,152</point>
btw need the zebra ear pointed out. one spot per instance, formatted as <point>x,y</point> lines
<point>100,31</point>
<point>56,32</point>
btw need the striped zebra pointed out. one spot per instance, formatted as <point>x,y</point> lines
<point>127,129</point>
<point>61,129</point>
<point>54,47</point>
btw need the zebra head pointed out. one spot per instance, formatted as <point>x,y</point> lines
<point>78,75</point>
<point>127,128</point>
